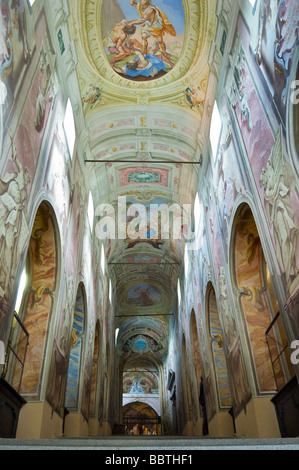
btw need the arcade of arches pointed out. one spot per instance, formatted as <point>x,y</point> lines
<point>149,214</point>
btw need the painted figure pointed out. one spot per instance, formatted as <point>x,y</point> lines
<point>121,41</point>
<point>155,24</point>
<point>145,66</point>
<point>277,180</point>
<point>13,224</point>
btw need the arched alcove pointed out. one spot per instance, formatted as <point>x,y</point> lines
<point>106,397</point>
<point>95,370</point>
<point>217,349</point>
<point>257,301</point>
<point>75,357</point>
<point>142,379</point>
<point>34,304</point>
<point>188,409</point>
<point>197,367</point>
<point>141,418</point>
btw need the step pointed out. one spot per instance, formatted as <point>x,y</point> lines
<point>141,443</point>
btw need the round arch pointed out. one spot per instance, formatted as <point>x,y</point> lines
<point>95,370</point>
<point>197,372</point>
<point>258,303</point>
<point>141,418</point>
<point>34,303</point>
<point>72,393</point>
<point>215,335</point>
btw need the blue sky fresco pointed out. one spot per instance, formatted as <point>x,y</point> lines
<point>172,8</point>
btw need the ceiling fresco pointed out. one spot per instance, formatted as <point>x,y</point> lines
<point>180,55</point>
<point>143,71</point>
<point>147,41</point>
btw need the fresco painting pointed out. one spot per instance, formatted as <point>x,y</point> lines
<point>138,175</point>
<point>252,120</point>
<point>71,396</point>
<point>14,50</point>
<point>143,39</point>
<point>218,352</point>
<point>278,36</point>
<point>143,295</point>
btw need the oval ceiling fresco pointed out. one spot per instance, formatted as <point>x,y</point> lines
<point>98,29</point>
<point>146,39</point>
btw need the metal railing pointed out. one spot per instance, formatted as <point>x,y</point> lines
<point>278,350</point>
<point>16,354</point>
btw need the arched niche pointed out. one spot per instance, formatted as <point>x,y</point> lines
<point>217,349</point>
<point>142,379</point>
<point>258,304</point>
<point>293,111</point>
<point>106,397</point>
<point>76,350</point>
<point>186,383</point>
<point>196,362</point>
<point>34,305</point>
<point>141,418</point>
<point>95,370</point>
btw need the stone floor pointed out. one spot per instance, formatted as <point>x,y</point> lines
<point>158,443</point>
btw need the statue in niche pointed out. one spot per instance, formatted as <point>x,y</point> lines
<point>278,181</point>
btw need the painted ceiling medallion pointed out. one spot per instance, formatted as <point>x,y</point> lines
<point>147,38</point>
<point>166,38</point>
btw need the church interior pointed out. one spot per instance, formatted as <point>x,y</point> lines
<point>149,275</point>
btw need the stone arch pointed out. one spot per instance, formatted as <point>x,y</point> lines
<point>34,303</point>
<point>143,414</point>
<point>186,380</point>
<point>95,370</point>
<point>263,326</point>
<point>215,334</point>
<point>76,350</point>
<point>196,365</point>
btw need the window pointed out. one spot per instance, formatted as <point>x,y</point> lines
<point>197,214</point>
<point>186,260</point>
<point>179,292</point>
<point>90,210</point>
<point>116,335</point>
<point>21,289</point>
<point>110,291</point>
<point>103,260</point>
<point>69,127</point>
<point>215,130</point>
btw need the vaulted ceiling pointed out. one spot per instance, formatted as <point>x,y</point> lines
<point>146,141</point>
